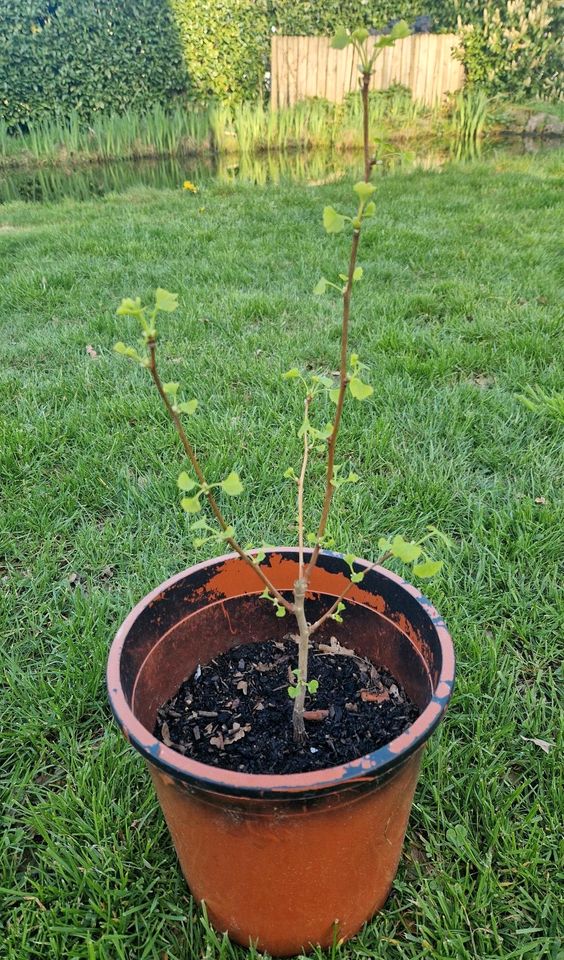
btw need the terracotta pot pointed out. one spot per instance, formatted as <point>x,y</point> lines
<point>286,861</point>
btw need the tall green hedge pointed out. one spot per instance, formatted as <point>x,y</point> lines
<point>86,55</point>
<point>226,45</point>
<point>107,55</point>
<point>310,17</point>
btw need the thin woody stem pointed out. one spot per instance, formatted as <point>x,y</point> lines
<point>365,119</point>
<point>301,493</point>
<point>329,488</point>
<point>300,587</point>
<point>329,613</point>
<point>200,475</point>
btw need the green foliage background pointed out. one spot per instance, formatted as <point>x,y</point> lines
<point>86,55</point>
<point>226,45</point>
<point>92,56</point>
<point>515,47</point>
<point>305,17</point>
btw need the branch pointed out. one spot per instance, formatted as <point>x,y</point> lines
<point>328,613</point>
<point>329,488</point>
<point>301,492</point>
<point>200,475</point>
<point>365,118</point>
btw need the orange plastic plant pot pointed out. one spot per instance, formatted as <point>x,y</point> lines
<point>284,861</point>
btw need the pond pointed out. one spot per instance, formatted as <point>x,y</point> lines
<point>52,184</point>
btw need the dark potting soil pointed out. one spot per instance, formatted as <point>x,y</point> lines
<point>235,711</point>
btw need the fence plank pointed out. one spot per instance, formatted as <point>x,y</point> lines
<point>312,62</point>
<point>303,77</point>
<point>353,74</point>
<point>422,69</point>
<point>293,53</point>
<point>308,67</point>
<point>428,66</point>
<point>274,73</point>
<point>333,92</point>
<point>447,59</point>
<point>413,62</point>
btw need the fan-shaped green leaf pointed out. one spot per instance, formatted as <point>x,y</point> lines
<point>188,406</point>
<point>165,301</point>
<point>332,221</point>
<point>428,568</point>
<point>232,485</point>
<point>360,390</point>
<point>191,504</point>
<point>185,482</point>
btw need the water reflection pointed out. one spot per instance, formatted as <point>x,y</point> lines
<point>52,184</point>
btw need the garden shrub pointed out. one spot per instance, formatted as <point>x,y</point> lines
<point>58,56</point>
<point>310,17</point>
<point>226,46</point>
<point>514,49</point>
<point>105,56</point>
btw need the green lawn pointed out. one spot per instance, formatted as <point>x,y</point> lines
<point>458,310</point>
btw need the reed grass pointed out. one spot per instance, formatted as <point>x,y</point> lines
<point>246,128</point>
<point>131,135</point>
<point>470,115</point>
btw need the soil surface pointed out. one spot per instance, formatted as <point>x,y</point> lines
<point>235,711</point>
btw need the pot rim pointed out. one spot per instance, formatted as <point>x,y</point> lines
<point>369,767</point>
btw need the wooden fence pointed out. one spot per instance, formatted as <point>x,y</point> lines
<point>307,67</point>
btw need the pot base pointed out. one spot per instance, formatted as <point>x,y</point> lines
<point>288,877</point>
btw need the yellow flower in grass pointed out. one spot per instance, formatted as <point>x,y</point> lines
<point>188,185</point>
